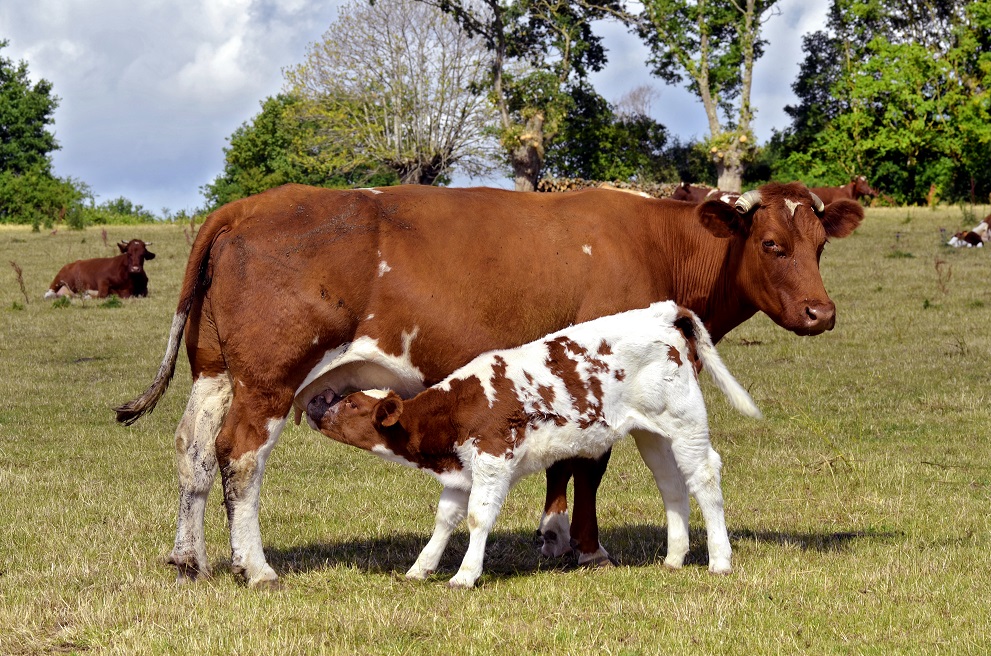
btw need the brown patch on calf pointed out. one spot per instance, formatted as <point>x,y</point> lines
<point>565,367</point>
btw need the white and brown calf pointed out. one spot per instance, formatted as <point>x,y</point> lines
<point>571,394</point>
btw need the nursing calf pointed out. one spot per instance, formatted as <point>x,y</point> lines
<point>572,394</point>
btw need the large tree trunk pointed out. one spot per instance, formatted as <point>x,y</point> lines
<point>527,157</point>
<point>729,169</point>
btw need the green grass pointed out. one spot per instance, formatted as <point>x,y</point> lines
<point>858,508</point>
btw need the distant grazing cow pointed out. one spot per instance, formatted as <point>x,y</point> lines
<point>301,291</point>
<point>855,190</point>
<point>698,194</point>
<point>574,393</point>
<point>123,275</point>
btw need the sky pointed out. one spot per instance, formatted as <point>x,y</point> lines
<point>150,90</point>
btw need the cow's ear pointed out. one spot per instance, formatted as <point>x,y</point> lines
<point>122,245</point>
<point>722,220</point>
<point>149,255</point>
<point>388,410</point>
<point>841,218</point>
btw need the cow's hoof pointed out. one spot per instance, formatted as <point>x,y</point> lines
<point>674,562</point>
<point>188,570</point>
<point>459,583</point>
<point>417,574</point>
<point>720,567</point>
<point>265,579</point>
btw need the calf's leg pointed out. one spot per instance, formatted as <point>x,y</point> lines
<point>491,479</point>
<point>657,455</point>
<point>451,509</point>
<point>196,461</point>
<point>700,465</point>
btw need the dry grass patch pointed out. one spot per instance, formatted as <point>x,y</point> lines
<point>858,509</point>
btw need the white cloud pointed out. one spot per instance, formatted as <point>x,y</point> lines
<point>151,89</point>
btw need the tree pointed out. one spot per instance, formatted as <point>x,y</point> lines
<point>270,150</point>
<point>395,84</point>
<point>26,111</point>
<point>713,44</point>
<point>538,51</point>
<point>600,142</point>
<point>898,92</point>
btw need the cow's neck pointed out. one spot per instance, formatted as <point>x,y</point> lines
<point>704,271</point>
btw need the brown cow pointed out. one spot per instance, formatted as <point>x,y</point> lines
<point>123,275</point>
<point>301,291</point>
<point>700,193</point>
<point>856,189</point>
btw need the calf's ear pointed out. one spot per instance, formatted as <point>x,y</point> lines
<point>388,410</point>
<point>842,217</point>
<point>722,220</point>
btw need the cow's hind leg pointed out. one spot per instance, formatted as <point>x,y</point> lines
<point>659,458</point>
<point>196,461</point>
<point>585,522</point>
<point>451,509</point>
<point>249,434</point>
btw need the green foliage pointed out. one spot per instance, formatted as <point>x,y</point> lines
<point>39,199</point>
<point>112,301</point>
<point>26,111</point>
<point>61,302</point>
<point>899,94</point>
<point>271,150</point>
<point>596,143</point>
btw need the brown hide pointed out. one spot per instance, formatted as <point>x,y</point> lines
<point>692,193</point>
<point>123,275</point>
<point>472,270</point>
<point>854,190</point>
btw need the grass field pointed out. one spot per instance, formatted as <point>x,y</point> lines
<point>858,508</point>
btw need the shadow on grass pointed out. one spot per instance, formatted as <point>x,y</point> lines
<point>510,554</point>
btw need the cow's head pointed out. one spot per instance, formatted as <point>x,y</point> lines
<point>357,419</point>
<point>780,231</point>
<point>137,252</point>
<point>861,188</point>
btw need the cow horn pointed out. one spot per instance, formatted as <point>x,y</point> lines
<point>817,204</point>
<point>748,201</point>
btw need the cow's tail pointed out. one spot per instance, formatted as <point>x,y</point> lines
<point>193,284</point>
<point>738,397</point>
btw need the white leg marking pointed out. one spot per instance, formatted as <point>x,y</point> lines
<point>451,509</point>
<point>196,461</point>
<point>556,533</point>
<point>243,482</point>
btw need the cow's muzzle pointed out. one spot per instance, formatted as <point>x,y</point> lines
<point>817,318</point>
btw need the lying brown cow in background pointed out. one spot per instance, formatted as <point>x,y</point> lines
<point>300,291</point>
<point>854,190</point>
<point>123,275</point>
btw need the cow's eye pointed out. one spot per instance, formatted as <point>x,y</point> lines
<point>768,244</point>
<point>350,404</point>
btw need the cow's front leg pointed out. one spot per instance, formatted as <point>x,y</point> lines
<point>491,480</point>
<point>555,530</point>
<point>656,452</point>
<point>196,461</point>
<point>584,523</point>
<point>243,447</point>
<point>451,510</point>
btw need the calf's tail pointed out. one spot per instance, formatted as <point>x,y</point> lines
<point>193,284</point>
<point>738,397</point>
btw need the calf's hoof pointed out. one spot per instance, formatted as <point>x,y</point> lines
<point>461,583</point>
<point>722,567</point>
<point>598,558</point>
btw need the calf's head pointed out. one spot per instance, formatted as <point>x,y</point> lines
<point>780,231</point>
<point>137,252</point>
<point>358,419</point>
